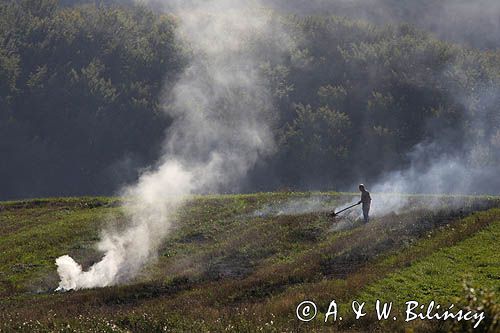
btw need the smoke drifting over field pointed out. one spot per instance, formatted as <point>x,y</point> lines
<point>220,130</point>
<point>222,111</point>
<point>462,160</point>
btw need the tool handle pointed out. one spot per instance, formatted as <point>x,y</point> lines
<point>340,211</point>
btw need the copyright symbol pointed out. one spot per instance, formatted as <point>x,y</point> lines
<point>306,311</point>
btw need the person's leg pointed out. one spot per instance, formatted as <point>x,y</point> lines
<point>366,211</point>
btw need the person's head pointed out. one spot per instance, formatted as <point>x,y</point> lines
<point>361,187</point>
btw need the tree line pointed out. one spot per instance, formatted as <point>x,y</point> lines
<point>80,98</point>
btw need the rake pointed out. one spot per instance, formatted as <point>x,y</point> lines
<point>333,214</point>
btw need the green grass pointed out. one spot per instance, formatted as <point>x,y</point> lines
<point>224,267</point>
<point>475,260</point>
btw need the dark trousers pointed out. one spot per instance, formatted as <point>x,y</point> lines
<point>366,211</point>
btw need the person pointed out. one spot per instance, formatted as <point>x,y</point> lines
<point>366,201</point>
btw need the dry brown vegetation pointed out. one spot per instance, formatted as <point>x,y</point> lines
<point>222,267</point>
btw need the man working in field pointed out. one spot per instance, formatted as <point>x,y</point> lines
<point>366,201</point>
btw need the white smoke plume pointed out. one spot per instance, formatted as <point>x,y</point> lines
<point>441,167</point>
<point>220,107</point>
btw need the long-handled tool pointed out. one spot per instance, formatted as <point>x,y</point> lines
<point>333,214</point>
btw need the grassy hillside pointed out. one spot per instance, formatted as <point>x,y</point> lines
<point>244,262</point>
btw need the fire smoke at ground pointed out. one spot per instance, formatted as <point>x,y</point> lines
<point>220,130</point>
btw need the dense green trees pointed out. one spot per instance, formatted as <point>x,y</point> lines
<point>79,94</point>
<point>80,90</point>
<point>470,23</point>
<point>397,87</point>
<point>316,141</point>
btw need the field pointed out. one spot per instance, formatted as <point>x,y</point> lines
<point>244,262</point>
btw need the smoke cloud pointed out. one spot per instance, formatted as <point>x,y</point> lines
<point>223,115</point>
<point>465,166</point>
<point>221,107</point>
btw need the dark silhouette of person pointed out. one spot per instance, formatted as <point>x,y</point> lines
<point>366,201</point>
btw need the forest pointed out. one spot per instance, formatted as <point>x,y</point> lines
<point>83,87</point>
